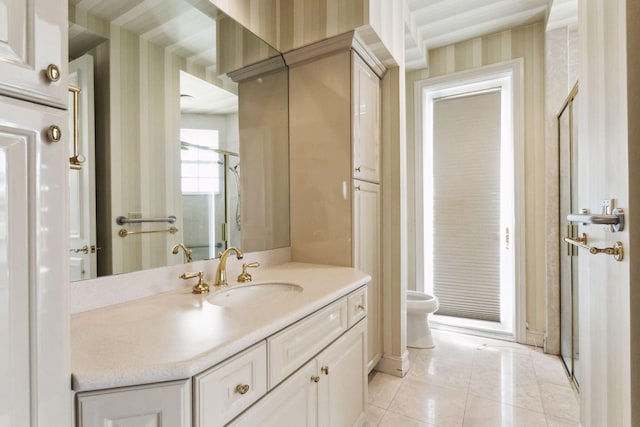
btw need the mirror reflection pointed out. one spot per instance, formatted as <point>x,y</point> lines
<point>182,123</point>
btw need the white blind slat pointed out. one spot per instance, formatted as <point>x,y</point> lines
<point>466,200</point>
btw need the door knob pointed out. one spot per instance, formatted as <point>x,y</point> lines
<point>53,73</point>
<point>54,133</point>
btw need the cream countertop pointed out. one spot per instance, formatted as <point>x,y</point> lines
<point>175,335</point>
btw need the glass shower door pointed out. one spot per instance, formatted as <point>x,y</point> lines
<point>567,133</point>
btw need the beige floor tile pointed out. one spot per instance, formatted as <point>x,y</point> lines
<point>549,369</point>
<point>382,389</point>
<point>486,413</point>
<point>559,401</point>
<point>506,387</point>
<point>373,416</point>
<point>429,403</point>
<point>392,419</point>
<point>561,422</point>
<point>441,371</point>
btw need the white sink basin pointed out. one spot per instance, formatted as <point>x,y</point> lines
<point>254,294</point>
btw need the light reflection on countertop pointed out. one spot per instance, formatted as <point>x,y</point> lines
<point>175,335</point>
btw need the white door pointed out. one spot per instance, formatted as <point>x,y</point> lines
<point>34,321</point>
<point>33,36</point>
<point>82,197</point>
<point>470,146</point>
<point>15,387</point>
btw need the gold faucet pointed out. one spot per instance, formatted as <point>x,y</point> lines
<point>221,272</point>
<point>244,276</point>
<point>187,252</point>
<point>201,287</point>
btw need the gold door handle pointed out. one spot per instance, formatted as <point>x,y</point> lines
<point>315,379</point>
<point>325,370</point>
<point>53,73</point>
<point>242,388</point>
<point>84,250</point>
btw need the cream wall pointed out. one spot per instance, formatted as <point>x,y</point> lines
<point>524,42</point>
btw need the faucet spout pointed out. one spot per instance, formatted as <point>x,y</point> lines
<point>221,272</point>
<point>187,251</point>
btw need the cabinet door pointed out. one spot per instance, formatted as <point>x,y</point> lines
<point>342,387</point>
<point>292,403</point>
<point>366,122</point>
<point>33,35</point>
<point>149,406</point>
<point>366,257</point>
<point>34,332</point>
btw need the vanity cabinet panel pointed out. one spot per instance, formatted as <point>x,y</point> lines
<point>367,247</point>
<point>33,35</point>
<point>342,389</point>
<point>292,403</point>
<point>167,404</point>
<point>226,390</point>
<point>330,390</point>
<point>298,343</point>
<point>365,110</point>
<point>34,342</point>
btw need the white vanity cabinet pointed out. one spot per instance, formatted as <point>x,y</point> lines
<point>157,405</point>
<point>311,372</point>
<point>33,39</point>
<point>330,390</point>
<point>335,150</point>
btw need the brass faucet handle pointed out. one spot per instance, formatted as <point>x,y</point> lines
<point>244,276</point>
<point>201,287</point>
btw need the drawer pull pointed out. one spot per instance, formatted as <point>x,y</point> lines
<point>315,379</point>
<point>325,370</point>
<point>361,307</point>
<point>242,388</point>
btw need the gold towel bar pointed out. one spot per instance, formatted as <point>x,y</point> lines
<point>617,251</point>
<point>125,233</point>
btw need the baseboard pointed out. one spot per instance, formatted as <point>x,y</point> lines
<point>394,365</point>
<point>535,338</point>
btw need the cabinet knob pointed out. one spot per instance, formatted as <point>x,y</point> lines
<point>53,73</point>
<point>242,388</point>
<point>315,379</point>
<point>325,370</point>
<point>361,307</point>
<point>54,133</point>
<point>358,169</point>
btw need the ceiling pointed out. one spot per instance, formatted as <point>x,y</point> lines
<point>437,23</point>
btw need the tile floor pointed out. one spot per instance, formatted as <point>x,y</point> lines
<point>473,381</point>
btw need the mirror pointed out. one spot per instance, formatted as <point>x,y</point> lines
<point>182,123</point>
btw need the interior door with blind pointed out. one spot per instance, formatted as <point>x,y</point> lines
<point>469,205</point>
<point>82,197</point>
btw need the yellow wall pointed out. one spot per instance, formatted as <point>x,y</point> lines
<point>528,43</point>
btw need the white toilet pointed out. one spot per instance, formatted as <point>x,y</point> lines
<point>419,306</point>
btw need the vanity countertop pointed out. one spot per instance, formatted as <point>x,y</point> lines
<point>175,335</point>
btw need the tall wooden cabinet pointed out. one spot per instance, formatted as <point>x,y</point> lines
<point>34,332</point>
<point>335,164</point>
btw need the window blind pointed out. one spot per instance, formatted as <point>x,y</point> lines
<point>466,205</point>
